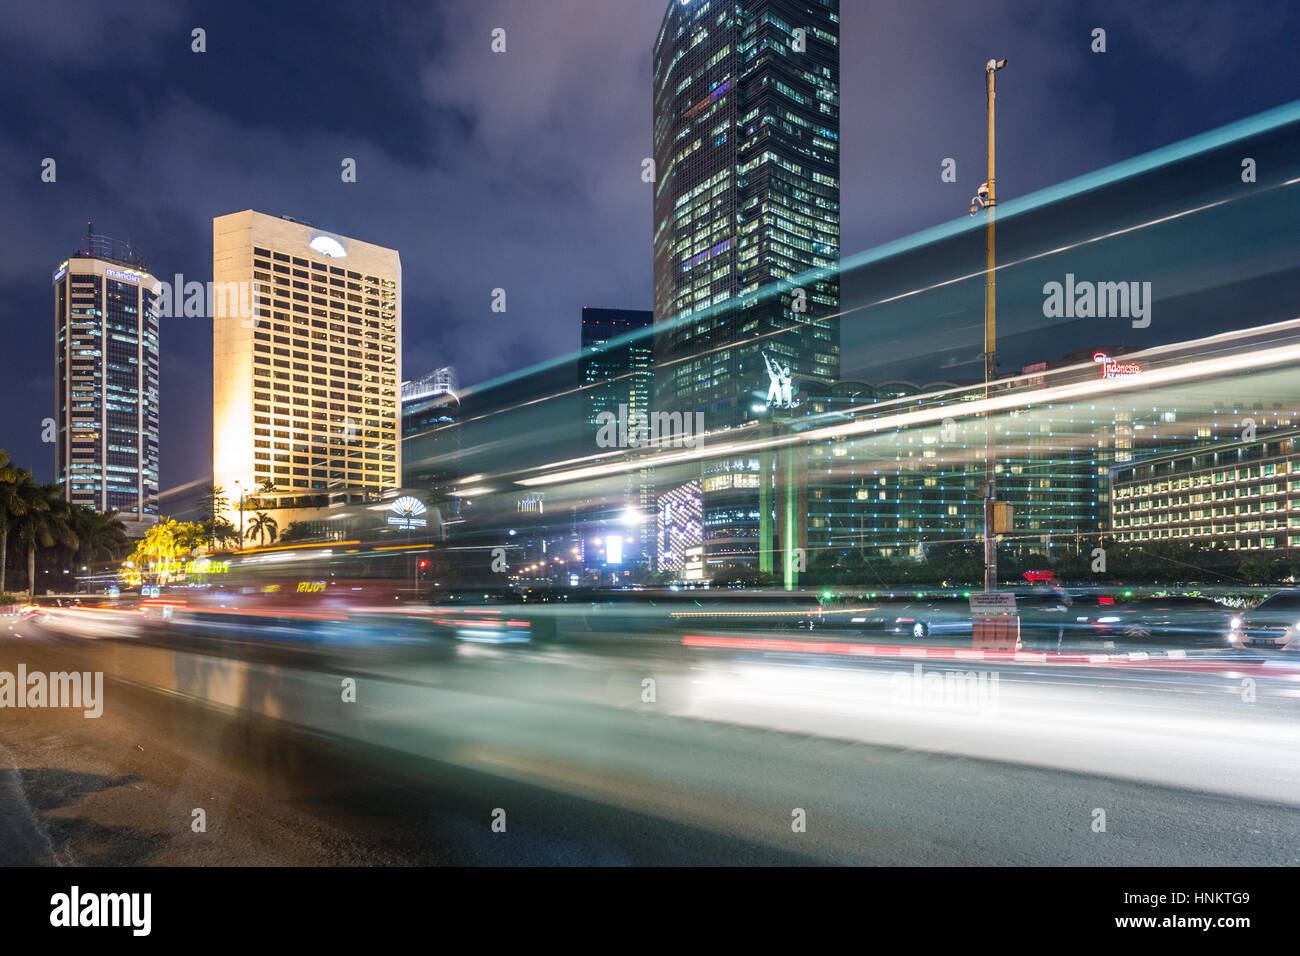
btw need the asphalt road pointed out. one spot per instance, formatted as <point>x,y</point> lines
<point>562,746</point>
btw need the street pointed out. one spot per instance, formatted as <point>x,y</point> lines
<point>714,769</point>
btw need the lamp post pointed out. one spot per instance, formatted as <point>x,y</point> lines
<point>240,485</point>
<point>986,198</point>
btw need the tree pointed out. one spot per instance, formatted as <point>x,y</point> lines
<point>46,522</point>
<point>742,575</point>
<point>217,528</point>
<point>12,506</point>
<point>262,525</point>
<point>221,532</point>
<point>100,536</point>
<point>265,488</point>
<point>297,531</point>
<point>164,547</point>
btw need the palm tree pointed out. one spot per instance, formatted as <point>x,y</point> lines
<point>265,488</point>
<point>45,522</point>
<point>164,547</point>
<point>262,525</point>
<point>216,525</point>
<point>99,535</point>
<point>12,506</point>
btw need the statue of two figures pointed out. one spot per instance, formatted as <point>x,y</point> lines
<point>780,391</point>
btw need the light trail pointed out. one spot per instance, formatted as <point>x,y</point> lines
<point>1119,172</point>
<point>1078,390</point>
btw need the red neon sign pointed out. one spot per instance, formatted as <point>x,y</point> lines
<point>1110,368</point>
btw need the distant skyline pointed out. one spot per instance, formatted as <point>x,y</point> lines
<point>521,170</point>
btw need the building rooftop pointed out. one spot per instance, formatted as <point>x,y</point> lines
<point>98,246</point>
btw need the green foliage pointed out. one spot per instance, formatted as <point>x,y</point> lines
<point>161,553</point>
<point>742,576</point>
<point>297,531</point>
<point>962,566</point>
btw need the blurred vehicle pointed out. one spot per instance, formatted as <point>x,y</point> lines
<point>1046,615</point>
<point>1049,616</point>
<point>1272,624</point>
<point>667,614</point>
<point>1183,618</point>
<point>919,619</point>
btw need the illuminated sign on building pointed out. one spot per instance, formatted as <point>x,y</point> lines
<point>60,274</point>
<point>405,513</point>
<point>327,246</point>
<point>122,276</point>
<point>1110,368</point>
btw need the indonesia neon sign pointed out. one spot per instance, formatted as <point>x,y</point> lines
<point>1110,368</point>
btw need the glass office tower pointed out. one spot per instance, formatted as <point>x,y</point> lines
<point>106,376</point>
<point>746,225</point>
<point>616,375</point>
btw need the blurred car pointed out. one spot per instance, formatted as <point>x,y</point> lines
<point>920,619</point>
<point>1180,617</point>
<point>1272,624</point>
<point>1047,615</point>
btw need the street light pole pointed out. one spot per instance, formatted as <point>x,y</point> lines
<point>240,485</point>
<point>986,198</point>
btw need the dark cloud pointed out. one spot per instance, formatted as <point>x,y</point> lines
<point>522,170</point>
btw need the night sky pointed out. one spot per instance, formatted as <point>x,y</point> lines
<point>522,170</point>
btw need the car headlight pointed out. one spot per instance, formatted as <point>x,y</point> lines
<point>1235,623</point>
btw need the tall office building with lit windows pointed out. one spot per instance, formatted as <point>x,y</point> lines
<point>617,365</point>
<point>746,151</point>
<point>106,374</point>
<point>305,389</point>
<point>616,375</point>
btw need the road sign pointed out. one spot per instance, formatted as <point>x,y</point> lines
<point>992,604</point>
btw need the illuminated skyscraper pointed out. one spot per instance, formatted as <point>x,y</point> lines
<point>305,391</point>
<point>617,366</point>
<point>616,374</point>
<point>746,152</point>
<point>106,373</point>
<point>441,381</point>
